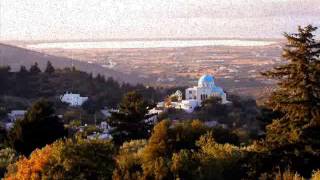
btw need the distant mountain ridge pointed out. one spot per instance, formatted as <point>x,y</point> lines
<point>15,57</point>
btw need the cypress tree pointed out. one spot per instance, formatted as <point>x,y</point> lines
<point>297,95</point>
<point>49,69</point>
<point>34,69</point>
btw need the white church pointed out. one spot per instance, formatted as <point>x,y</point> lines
<point>206,88</point>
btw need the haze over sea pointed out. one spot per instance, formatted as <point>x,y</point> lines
<point>148,44</point>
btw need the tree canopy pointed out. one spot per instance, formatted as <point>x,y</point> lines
<point>39,127</point>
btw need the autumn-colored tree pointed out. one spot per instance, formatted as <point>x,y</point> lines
<point>184,165</point>
<point>82,159</point>
<point>156,151</point>
<point>66,159</point>
<point>128,161</point>
<point>316,175</point>
<point>30,168</point>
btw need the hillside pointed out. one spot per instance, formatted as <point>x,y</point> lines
<point>15,57</point>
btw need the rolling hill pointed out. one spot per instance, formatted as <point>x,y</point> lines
<point>15,57</point>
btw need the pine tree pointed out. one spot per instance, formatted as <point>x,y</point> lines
<point>130,122</point>
<point>23,70</point>
<point>298,89</point>
<point>34,69</point>
<point>49,69</point>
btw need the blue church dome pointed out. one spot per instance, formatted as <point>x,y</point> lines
<point>217,89</point>
<point>206,81</point>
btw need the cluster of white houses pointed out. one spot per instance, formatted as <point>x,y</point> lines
<point>194,97</point>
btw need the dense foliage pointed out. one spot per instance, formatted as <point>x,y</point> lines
<point>66,159</point>
<point>242,111</point>
<point>32,84</point>
<point>186,149</point>
<point>182,151</point>
<point>39,127</point>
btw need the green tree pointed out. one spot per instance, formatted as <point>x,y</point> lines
<point>39,127</point>
<point>298,93</point>
<point>130,122</point>
<point>292,139</point>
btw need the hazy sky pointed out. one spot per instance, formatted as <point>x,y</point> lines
<point>97,19</point>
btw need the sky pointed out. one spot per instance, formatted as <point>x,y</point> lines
<point>113,19</point>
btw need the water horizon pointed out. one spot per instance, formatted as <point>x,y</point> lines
<point>143,44</point>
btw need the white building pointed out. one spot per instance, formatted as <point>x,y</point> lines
<point>189,105</point>
<point>13,116</point>
<point>103,136</point>
<point>206,88</point>
<point>178,94</point>
<point>73,99</point>
<point>16,114</point>
<point>106,113</point>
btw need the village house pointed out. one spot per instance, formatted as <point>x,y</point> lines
<point>73,99</point>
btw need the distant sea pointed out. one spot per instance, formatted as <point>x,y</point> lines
<point>148,44</point>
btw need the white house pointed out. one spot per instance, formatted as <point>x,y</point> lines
<point>206,88</point>
<point>103,136</point>
<point>73,99</point>
<point>106,113</point>
<point>16,114</point>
